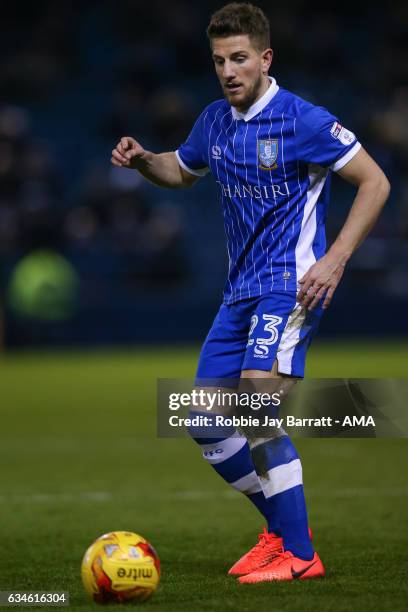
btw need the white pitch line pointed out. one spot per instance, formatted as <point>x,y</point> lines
<point>55,497</point>
<point>189,495</point>
<point>103,496</point>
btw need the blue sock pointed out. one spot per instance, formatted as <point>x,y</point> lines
<point>278,466</point>
<point>230,456</point>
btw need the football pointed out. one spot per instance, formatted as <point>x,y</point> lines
<point>120,566</point>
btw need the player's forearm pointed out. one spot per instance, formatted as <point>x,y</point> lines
<point>368,203</point>
<point>162,169</point>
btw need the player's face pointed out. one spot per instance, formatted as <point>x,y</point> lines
<point>241,69</point>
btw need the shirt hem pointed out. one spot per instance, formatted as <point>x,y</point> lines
<point>228,301</point>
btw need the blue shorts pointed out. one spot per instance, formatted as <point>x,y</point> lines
<point>253,333</point>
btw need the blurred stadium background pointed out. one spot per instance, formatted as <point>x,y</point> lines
<point>92,255</point>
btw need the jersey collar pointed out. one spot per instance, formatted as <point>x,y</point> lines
<point>259,105</point>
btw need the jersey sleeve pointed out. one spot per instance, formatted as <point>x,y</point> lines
<point>192,154</point>
<point>321,139</point>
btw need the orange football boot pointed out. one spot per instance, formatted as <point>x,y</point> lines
<point>269,545</point>
<point>285,566</point>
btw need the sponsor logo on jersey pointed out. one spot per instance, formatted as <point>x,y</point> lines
<point>256,192</point>
<point>267,154</point>
<point>340,133</point>
<point>216,152</point>
<point>346,137</point>
<point>335,131</point>
<point>261,351</point>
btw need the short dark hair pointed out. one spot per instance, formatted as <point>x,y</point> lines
<point>241,18</point>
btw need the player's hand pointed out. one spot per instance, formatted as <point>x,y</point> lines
<point>128,153</point>
<point>320,280</point>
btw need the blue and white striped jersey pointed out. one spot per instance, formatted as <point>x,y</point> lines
<point>273,166</point>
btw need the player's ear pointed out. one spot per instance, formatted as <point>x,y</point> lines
<point>267,56</point>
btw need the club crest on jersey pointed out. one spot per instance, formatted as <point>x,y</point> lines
<point>267,154</point>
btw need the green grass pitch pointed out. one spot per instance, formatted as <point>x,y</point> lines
<point>80,457</point>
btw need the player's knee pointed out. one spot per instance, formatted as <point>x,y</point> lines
<point>208,429</point>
